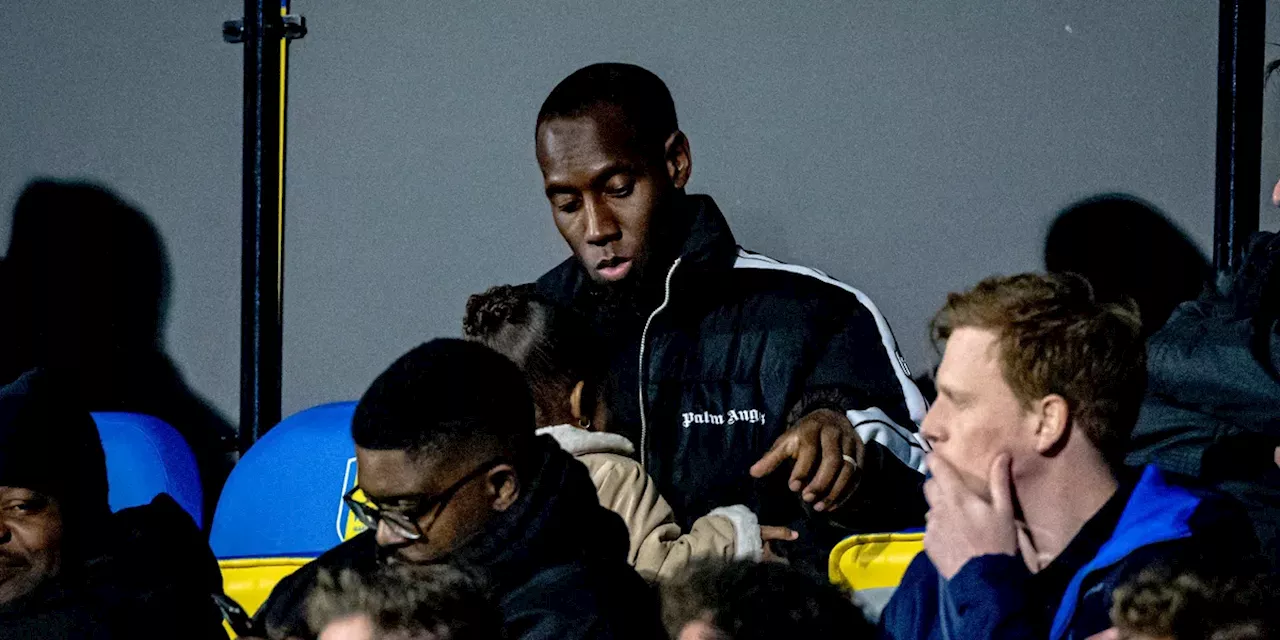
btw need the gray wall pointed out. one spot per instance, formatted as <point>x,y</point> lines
<point>906,148</point>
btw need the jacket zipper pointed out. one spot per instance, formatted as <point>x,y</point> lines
<point>644,339</point>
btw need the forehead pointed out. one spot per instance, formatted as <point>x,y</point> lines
<point>971,361</point>
<point>396,474</point>
<point>12,493</point>
<point>589,143</point>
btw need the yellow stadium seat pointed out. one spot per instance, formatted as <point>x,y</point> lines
<point>872,564</point>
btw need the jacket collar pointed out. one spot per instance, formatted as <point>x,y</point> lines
<point>708,246</point>
<point>1155,512</point>
<point>579,442</point>
<point>544,527</point>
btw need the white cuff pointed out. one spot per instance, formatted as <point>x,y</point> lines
<point>746,528</point>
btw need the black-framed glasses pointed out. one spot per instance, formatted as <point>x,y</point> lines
<point>404,521</point>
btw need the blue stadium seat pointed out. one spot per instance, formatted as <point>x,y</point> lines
<point>147,457</point>
<point>284,498</point>
<point>282,504</point>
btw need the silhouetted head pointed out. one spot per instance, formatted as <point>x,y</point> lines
<point>613,163</point>
<point>1164,602</point>
<point>746,600</point>
<point>88,268</point>
<point>439,441</point>
<point>435,602</point>
<point>1126,248</point>
<point>552,345</point>
<point>53,483</point>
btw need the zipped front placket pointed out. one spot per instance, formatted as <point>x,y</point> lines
<point>644,338</point>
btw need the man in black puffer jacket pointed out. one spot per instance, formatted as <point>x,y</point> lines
<point>69,568</point>
<point>451,471</point>
<point>728,364</point>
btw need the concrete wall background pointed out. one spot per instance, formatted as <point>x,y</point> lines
<point>906,148</point>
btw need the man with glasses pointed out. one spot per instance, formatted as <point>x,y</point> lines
<point>450,471</point>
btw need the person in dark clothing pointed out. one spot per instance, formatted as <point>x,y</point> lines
<point>85,287</point>
<point>730,365</point>
<point>1127,248</point>
<point>450,471</point>
<point>69,568</point>
<point>1032,520</point>
<point>744,600</point>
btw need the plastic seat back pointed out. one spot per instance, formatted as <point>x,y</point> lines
<point>147,457</point>
<point>284,498</point>
<point>872,565</point>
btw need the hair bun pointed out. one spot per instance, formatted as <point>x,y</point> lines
<point>498,306</point>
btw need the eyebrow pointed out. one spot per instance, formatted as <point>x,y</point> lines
<point>602,176</point>
<point>954,394</point>
<point>405,499</point>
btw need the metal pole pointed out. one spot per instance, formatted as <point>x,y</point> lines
<point>1241,36</point>
<point>260,330</point>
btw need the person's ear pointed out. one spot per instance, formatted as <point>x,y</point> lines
<point>575,400</point>
<point>1053,420</point>
<point>504,487</point>
<point>678,158</point>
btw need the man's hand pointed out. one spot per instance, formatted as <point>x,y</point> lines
<point>823,437</point>
<point>962,524</point>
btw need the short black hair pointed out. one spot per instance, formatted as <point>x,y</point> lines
<point>745,600</point>
<point>446,398</point>
<point>551,344</point>
<point>638,94</point>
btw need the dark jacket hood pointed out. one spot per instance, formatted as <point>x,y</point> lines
<point>49,443</point>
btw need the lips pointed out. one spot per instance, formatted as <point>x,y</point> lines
<point>613,269</point>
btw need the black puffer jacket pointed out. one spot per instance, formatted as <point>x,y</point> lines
<point>1212,409</point>
<point>556,561</point>
<point>736,347</point>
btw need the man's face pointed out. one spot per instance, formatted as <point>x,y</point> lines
<point>606,192</point>
<point>976,416</point>
<point>395,480</point>
<point>30,541</point>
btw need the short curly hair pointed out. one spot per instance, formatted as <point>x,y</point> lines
<point>1183,604</point>
<point>1055,337</point>
<point>746,600</point>
<point>438,602</point>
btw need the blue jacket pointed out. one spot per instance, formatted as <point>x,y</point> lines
<point>990,597</point>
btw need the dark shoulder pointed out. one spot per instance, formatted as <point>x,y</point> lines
<point>770,282</point>
<point>581,600</point>
<point>284,613</point>
<point>562,283</point>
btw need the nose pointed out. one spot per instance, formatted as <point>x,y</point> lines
<point>931,426</point>
<point>6,534</point>
<point>602,226</point>
<point>386,536</point>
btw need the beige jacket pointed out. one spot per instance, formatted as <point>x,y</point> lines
<point>659,550</point>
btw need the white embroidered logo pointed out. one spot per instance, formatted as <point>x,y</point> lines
<point>750,416</point>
